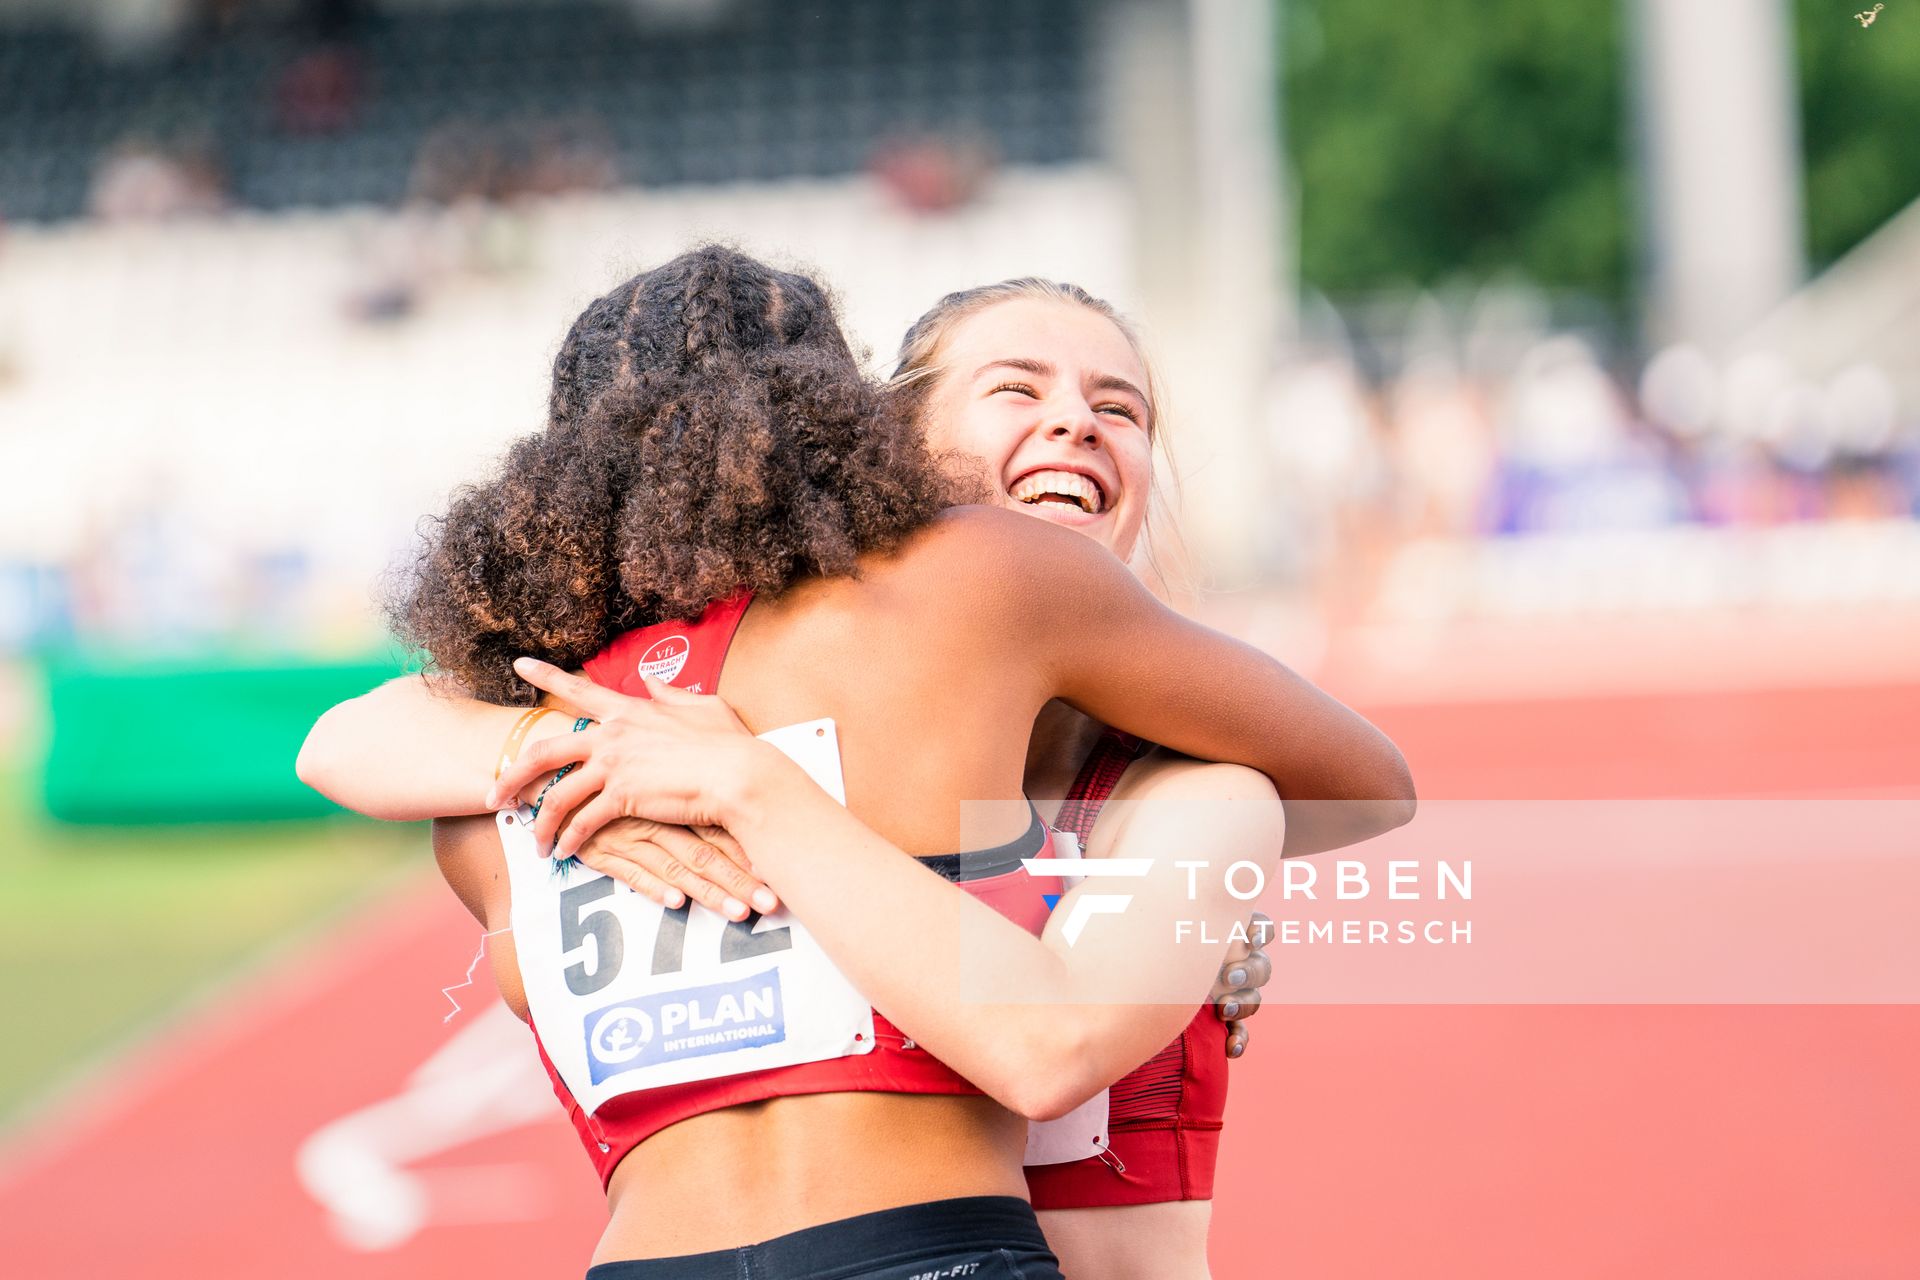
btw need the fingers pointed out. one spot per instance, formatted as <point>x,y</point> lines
<point>764,899</point>
<point>560,800</point>
<point>580,825</point>
<point>1246,973</point>
<point>694,866</point>
<point>1260,930</point>
<point>634,876</point>
<point>1250,940</point>
<point>672,695</point>
<point>665,852</point>
<point>668,854</point>
<point>723,838</point>
<point>538,758</point>
<point>1239,1006</point>
<point>713,860</point>
<point>1255,970</point>
<point>1239,975</point>
<point>595,700</point>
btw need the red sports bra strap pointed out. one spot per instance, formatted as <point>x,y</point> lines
<point>688,655</point>
<point>1098,777</point>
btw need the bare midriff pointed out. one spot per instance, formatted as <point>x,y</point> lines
<point>1165,1241</point>
<point>752,1172</point>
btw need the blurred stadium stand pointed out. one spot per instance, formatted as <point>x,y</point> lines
<point>253,411</point>
<point>301,113</point>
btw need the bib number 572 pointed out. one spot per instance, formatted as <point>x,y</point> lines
<point>577,924</point>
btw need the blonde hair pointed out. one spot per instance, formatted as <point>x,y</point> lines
<point>917,372</point>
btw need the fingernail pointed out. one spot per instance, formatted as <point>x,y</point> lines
<point>734,908</point>
<point>764,901</point>
<point>1237,977</point>
<point>493,800</point>
<point>675,899</point>
<point>1235,1048</point>
<point>523,664</point>
<point>1231,1009</point>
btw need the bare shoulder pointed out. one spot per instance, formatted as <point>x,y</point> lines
<point>982,538</point>
<point>992,557</point>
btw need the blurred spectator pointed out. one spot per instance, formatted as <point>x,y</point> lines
<point>575,154</point>
<point>933,174</point>
<point>320,92</point>
<point>459,161</point>
<point>139,180</point>
<point>1540,437</point>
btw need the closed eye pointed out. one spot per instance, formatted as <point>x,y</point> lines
<point>1021,387</point>
<point>1126,411</point>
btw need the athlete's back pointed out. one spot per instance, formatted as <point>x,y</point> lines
<point>932,696</point>
<point>933,693</point>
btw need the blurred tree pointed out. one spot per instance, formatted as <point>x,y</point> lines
<point>1457,137</point>
<point>1461,136</point>
<point>1860,113</point>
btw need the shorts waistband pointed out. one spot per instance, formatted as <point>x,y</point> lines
<point>851,1245</point>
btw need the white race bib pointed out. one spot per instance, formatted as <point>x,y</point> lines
<point>627,995</point>
<point>1082,1132</point>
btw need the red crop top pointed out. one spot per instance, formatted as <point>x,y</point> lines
<point>1164,1117</point>
<point>690,655</point>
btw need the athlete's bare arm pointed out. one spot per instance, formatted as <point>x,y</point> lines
<point>1040,1024</point>
<point>1102,643</point>
<point>417,747</point>
<point>411,749</point>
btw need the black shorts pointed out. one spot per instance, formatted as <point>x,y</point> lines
<point>973,1238</point>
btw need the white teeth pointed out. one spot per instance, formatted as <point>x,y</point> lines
<point>1037,485</point>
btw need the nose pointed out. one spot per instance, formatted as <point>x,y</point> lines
<point>1076,426</point>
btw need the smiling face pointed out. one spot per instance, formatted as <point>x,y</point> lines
<point>1052,397</point>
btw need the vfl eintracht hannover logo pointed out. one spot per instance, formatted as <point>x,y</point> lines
<point>1089,905</point>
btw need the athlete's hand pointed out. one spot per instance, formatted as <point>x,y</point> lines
<point>671,864</point>
<point>1236,995</point>
<point>662,758</point>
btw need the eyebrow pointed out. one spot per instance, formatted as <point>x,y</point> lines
<point>1041,369</point>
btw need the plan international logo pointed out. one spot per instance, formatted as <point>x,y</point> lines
<point>695,1022</point>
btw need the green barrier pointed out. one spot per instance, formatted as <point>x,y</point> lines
<point>140,742</point>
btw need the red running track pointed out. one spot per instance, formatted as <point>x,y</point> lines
<point>1485,1142</point>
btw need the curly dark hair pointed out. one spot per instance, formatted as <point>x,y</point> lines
<point>709,431</point>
